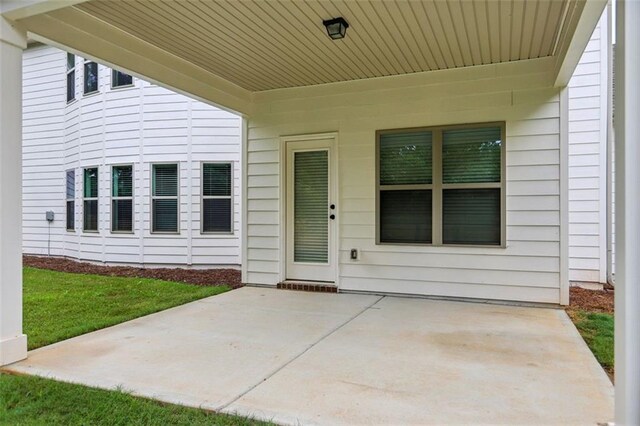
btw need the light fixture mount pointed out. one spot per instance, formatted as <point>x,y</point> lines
<point>336,27</point>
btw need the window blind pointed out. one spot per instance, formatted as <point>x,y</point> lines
<point>165,180</point>
<point>406,158</point>
<point>405,216</point>
<point>217,202</point>
<point>165,215</point>
<point>122,181</point>
<point>71,203</point>
<point>471,155</point>
<point>471,216</point>
<point>122,199</point>
<point>90,204</point>
<point>164,204</point>
<point>311,199</point>
<point>91,183</point>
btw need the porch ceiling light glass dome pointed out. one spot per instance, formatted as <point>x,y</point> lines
<point>336,27</point>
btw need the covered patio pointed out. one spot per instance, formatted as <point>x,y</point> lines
<point>424,68</point>
<point>308,358</point>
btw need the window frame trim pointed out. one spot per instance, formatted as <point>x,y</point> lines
<point>132,198</point>
<point>71,70</point>
<point>164,197</point>
<point>96,199</point>
<point>67,200</point>
<point>124,86</point>
<point>84,78</point>
<point>437,186</point>
<point>211,197</point>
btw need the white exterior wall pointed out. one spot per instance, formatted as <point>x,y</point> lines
<point>588,127</point>
<point>528,269</point>
<point>137,125</point>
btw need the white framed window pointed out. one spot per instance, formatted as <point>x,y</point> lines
<point>71,199</point>
<point>122,199</point>
<point>165,198</point>
<point>90,200</point>
<point>217,198</point>
<point>90,77</point>
<point>71,77</point>
<point>441,185</point>
<point>120,79</point>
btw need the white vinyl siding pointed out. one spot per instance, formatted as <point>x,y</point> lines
<point>138,125</point>
<point>587,160</point>
<point>528,268</point>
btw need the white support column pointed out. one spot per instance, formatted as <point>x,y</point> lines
<point>627,303</point>
<point>13,344</point>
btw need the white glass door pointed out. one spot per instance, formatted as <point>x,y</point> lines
<point>311,212</point>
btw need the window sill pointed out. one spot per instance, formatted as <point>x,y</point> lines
<point>125,86</point>
<point>482,246</point>
<point>90,94</point>
<point>220,234</point>
<point>123,233</point>
<point>90,232</point>
<point>72,101</point>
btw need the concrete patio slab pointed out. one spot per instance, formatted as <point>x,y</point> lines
<point>310,358</point>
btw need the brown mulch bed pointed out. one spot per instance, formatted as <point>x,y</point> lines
<point>591,300</point>
<point>204,277</point>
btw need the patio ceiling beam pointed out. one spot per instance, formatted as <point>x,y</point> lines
<point>20,9</point>
<point>581,20</point>
<point>80,33</point>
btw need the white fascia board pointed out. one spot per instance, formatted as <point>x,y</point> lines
<point>582,21</point>
<point>20,9</point>
<point>80,33</point>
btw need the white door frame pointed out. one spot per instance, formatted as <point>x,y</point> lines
<point>333,170</point>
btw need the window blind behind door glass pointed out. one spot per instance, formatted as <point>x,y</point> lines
<point>311,199</point>
<point>406,158</point>
<point>471,155</point>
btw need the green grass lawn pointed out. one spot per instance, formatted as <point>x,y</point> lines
<point>597,330</point>
<point>34,401</point>
<point>58,305</point>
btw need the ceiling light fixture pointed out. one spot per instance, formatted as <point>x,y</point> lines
<point>336,27</point>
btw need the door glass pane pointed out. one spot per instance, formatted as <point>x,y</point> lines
<point>405,216</point>
<point>471,155</point>
<point>405,158</point>
<point>471,216</point>
<point>311,202</point>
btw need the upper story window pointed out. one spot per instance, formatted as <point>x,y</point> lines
<point>90,77</point>
<point>71,77</point>
<point>122,198</point>
<point>441,185</point>
<point>164,198</point>
<point>217,198</point>
<point>120,79</point>
<point>90,200</point>
<point>71,200</point>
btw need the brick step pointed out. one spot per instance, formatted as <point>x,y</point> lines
<point>308,286</point>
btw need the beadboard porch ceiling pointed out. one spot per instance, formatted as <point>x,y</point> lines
<point>223,51</point>
<point>262,45</point>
